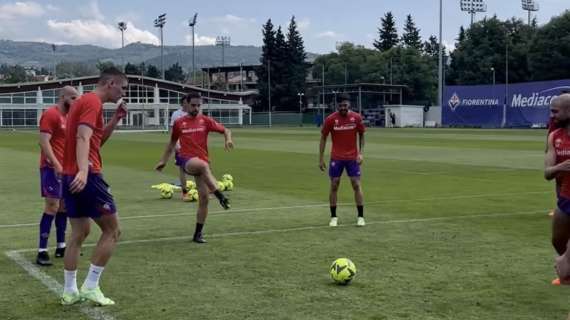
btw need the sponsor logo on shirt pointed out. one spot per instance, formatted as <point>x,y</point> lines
<point>193,130</point>
<point>348,126</point>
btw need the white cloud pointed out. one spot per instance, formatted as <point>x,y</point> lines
<point>200,40</point>
<point>20,9</point>
<point>99,33</point>
<point>303,24</point>
<point>329,34</point>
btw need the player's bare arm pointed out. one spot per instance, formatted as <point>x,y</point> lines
<point>166,155</point>
<point>322,146</point>
<point>120,113</point>
<point>84,134</point>
<point>229,143</point>
<point>551,169</point>
<point>360,157</point>
<point>45,145</point>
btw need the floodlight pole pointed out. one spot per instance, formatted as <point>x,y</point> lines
<point>301,94</point>
<point>440,58</point>
<point>159,23</point>
<point>192,23</point>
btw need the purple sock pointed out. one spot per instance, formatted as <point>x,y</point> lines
<point>45,227</point>
<point>60,226</point>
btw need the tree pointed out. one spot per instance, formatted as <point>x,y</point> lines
<point>104,64</point>
<point>15,74</point>
<point>75,69</point>
<point>132,69</point>
<point>411,37</point>
<point>295,68</point>
<point>152,71</point>
<point>388,35</point>
<point>175,73</point>
<point>267,58</point>
<point>550,50</point>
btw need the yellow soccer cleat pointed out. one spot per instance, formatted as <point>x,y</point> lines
<point>68,299</point>
<point>96,296</point>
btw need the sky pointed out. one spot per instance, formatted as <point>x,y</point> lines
<point>322,23</point>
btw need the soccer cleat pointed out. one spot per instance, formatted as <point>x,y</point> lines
<point>198,238</point>
<point>333,222</point>
<point>68,299</point>
<point>59,252</point>
<point>96,296</point>
<point>42,259</point>
<point>225,203</point>
<point>556,282</point>
<point>360,222</point>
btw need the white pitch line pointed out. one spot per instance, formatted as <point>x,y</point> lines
<point>268,231</point>
<point>54,286</point>
<point>253,210</point>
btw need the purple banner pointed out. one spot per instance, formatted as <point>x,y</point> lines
<point>483,106</point>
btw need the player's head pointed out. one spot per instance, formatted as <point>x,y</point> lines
<point>112,84</point>
<point>67,95</point>
<point>343,104</point>
<point>191,104</point>
<point>560,109</point>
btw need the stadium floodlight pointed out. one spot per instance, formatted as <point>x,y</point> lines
<point>223,41</point>
<point>122,26</point>
<point>191,24</point>
<point>530,5</point>
<point>473,6</point>
<point>159,23</point>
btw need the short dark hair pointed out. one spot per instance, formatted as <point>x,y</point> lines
<point>189,96</point>
<point>110,73</point>
<point>343,97</point>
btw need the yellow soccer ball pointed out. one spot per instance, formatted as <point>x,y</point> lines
<point>166,193</point>
<point>227,177</point>
<point>229,185</point>
<point>342,271</point>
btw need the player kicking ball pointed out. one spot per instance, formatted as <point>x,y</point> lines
<point>191,132</point>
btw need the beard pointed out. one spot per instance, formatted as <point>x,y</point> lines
<point>66,106</point>
<point>193,113</point>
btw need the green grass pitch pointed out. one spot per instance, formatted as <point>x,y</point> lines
<point>457,229</point>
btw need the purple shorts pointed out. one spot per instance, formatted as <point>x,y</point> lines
<point>50,183</point>
<point>563,204</point>
<point>336,167</point>
<point>179,160</point>
<point>93,201</point>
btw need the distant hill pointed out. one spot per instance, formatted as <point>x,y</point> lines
<point>39,54</point>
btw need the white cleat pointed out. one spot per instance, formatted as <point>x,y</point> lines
<point>333,222</point>
<point>360,222</point>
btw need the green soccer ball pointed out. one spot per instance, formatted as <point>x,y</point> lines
<point>194,194</point>
<point>227,177</point>
<point>342,271</point>
<point>166,193</point>
<point>190,185</point>
<point>229,185</point>
<point>221,186</point>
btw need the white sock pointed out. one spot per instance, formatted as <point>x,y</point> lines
<point>92,279</point>
<point>60,245</point>
<point>70,281</point>
<point>42,250</point>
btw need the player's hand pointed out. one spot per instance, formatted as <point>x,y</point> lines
<point>160,165</point>
<point>322,165</point>
<point>564,166</point>
<point>79,182</point>
<point>58,169</point>
<point>563,269</point>
<point>121,111</point>
<point>359,159</point>
<point>229,145</point>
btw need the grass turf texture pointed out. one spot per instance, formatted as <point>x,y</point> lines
<point>457,229</point>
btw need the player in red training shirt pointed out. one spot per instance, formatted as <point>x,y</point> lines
<point>344,126</point>
<point>52,141</point>
<point>557,166</point>
<point>191,131</point>
<point>87,196</point>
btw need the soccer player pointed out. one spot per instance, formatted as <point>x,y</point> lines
<point>192,133</point>
<point>52,140</point>
<point>557,166</point>
<point>181,174</point>
<point>85,193</point>
<point>344,126</point>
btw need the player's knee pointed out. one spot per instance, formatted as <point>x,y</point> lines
<point>117,235</point>
<point>51,207</point>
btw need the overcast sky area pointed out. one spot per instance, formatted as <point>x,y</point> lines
<point>321,23</point>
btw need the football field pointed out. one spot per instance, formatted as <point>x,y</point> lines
<point>457,228</point>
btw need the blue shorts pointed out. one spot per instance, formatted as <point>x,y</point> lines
<point>336,167</point>
<point>93,201</point>
<point>50,183</point>
<point>179,160</point>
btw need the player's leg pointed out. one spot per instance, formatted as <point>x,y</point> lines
<point>182,177</point>
<point>202,213</point>
<point>560,229</point>
<point>80,228</point>
<point>60,229</point>
<point>50,210</point>
<point>353,171</point>
<point>198,167</point>
<point>335,172</point>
